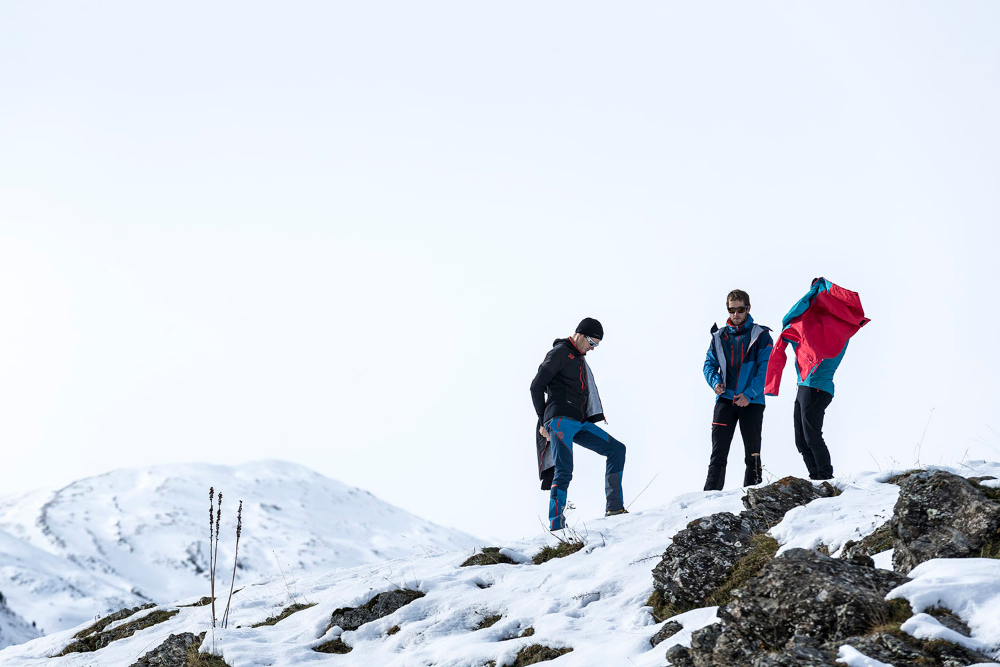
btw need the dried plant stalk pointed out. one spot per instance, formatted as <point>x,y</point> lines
<point>239,530</point>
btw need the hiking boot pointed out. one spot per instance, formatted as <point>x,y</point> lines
<point>615,512</point>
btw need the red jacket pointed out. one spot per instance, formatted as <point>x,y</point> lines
<point>818,326</point>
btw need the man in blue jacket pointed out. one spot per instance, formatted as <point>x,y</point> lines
<point>735,368</point>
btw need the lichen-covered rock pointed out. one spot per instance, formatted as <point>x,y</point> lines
<point>941,515</point>
<point>383,604</point>
<point>901,649</point>
<point>111,618</point>
<point>95,642</point>
<point>800,651</point>
<point>770,503</point>
<point>666,632</point>
<point>172,652</point>
<point>702,556</point>
<point>800,599</point>
<point>679,656</point>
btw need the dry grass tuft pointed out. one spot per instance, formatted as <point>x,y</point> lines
<point>196,659</point>
<point>333,646</point>
<point>488,621</point>
<point>561,550</point>
<point>762,550</point>
<point>663,610</point>
<point>488,556</point>
<point>285,613</point>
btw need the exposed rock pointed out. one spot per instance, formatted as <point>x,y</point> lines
<point>111,618</point>
<point>770,503</point>
<point>902,649</point>
<point>941,515</point>
<point>679,656</point>
<point>383,604</point>
<point>531,655</point>
<point>172,652</point>
<point>800,651</point>
<point>878,541</point>
<point>95,642</point>
<point>980,480</point>
<point>949,620</point>
<point>703,555</point>
<point>801,595</point>
<point>666,632</point>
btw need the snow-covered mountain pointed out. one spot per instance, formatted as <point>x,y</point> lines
<point>593,602</point>
<point>141,535</point>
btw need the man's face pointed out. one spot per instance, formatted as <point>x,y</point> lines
<point>735,315</point>
<point>590,342</point>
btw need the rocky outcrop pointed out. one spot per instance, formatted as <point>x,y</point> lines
<point>95,641</point>
<point>666,632</point>
<point>173,652</point>
<point>383,604</point>
<point>901,649</point>
<point>941,515</point>
<point>703,555</point>
<point>770,503</point>
<point>803,607</point>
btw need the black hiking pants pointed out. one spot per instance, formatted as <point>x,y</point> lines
<point>724,420</point>
<point>810,408</point>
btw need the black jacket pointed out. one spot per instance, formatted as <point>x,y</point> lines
<point>566,378</point>
<point>572,392</point>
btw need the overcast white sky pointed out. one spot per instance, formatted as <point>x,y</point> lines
<point>345,234</point>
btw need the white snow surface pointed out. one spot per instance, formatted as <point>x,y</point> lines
<point>852,657</point>
<point>592,601</point>
<point>969,587</point>
<point>139,535</point>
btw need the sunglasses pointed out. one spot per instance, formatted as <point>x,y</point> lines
<point>738,309</point>
<point>593,343</point>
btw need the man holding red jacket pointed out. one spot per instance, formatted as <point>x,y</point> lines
<point>818,326</point>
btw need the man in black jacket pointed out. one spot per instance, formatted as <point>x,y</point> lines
<point>567,404</point>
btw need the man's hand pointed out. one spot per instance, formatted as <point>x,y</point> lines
<point>719,389</point>
<point>541,429</point>
<point>741,400</point>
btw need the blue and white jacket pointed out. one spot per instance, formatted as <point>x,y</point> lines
<point>748,362</point>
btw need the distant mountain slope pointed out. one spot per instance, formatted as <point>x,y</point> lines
<point>13,628</point>
<point>131,536</point>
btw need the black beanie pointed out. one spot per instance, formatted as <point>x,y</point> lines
<point>590,327</point>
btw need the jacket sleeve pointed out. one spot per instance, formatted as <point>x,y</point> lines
<point>550,366</point>
<point>775,366</point>
<point>763,355</point>
<point>712,369</point>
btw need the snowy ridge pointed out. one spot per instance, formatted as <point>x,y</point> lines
<point>134,536</point>
<point>592,601</point>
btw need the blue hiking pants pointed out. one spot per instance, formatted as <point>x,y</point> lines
<point>563,432</point>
